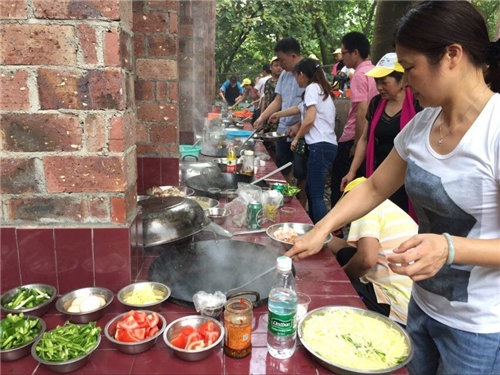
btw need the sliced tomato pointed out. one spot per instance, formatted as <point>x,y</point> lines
<point>179,341</point>
<point>187,330</point>
<point>206,327</point>
<point>195,336</point>
<point>128,323</point>
<point>153,319</point>
<point>140,316</point>
<point>125,336</point>
<point>211,337</point>
<point>195,345</point>
<point>152,331</point>
<point>130,313</point>
<point>139,333</point>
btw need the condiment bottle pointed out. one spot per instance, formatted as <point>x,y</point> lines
<point>231,159</point>
<point>238,325</point>
<point>247,165</point>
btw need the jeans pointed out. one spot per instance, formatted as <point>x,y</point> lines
<point>340,168</point>
<point>321,156</point>
<point>284,155</point>
<point>440,349</point>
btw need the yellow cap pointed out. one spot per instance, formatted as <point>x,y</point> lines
<point>246,81</point>
<point>351,185</point>
<point>274,59</point>
<point>386,65</point>
<point>337,51</point>
<point>313,56</point>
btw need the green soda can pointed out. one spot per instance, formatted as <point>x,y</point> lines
<point>254,211</point>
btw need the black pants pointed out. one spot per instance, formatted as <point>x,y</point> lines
<point>365,291</point>
<point>340,168</point>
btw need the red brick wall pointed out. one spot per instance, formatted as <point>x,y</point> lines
<point>66,112</point>
<point>155,24</point>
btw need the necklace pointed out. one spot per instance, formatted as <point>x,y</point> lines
<point>441,138</point>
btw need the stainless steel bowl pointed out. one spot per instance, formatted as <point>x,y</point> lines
<point>135,286</point>
<point>168,219</point>
<point>37,310</point>
<point>64,366</point>
<point>342,370</point>
<point>218,215</point>
<point>205,202</point>
<point>300,228</point>
<point>175,328</point>
<point>132,347</point>
<point>63,303</point>
<point>24,350</point>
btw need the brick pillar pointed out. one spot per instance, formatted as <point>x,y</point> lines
<point>156,82</point>
<point>66,112</point>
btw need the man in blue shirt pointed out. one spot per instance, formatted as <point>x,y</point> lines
<point>230,90</point>
<point>289,94</point>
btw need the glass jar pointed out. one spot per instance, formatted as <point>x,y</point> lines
<point>238,317</point>
<point>247,163</point>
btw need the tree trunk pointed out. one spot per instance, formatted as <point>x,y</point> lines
<point>388,14</point>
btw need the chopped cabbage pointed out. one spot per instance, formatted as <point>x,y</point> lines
<point>352,339</point>
<point>143,295</point>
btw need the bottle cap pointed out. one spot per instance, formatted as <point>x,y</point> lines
<point>248,152</point>
<point>284,263</point>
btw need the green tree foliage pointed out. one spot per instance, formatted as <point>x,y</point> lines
<point>246,31</point>
<point>490,9</point>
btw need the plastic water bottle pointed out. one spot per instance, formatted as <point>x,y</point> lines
<point>282,330</point>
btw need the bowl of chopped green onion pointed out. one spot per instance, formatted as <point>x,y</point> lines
<point>33,299</point>
<point>67,348</point>
<point>18,333</point>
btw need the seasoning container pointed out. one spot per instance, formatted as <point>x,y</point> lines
<point>238,326</point>
<point>247,164</point>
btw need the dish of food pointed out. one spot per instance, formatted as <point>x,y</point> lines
<point>18,330</point>
<point>286,234</point>
<point>355,339</point>
<point>26,298</point>
<point>172,191</point>
<point>144,294</point>
<point>85,304</point>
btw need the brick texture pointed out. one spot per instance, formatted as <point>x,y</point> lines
<point>156,69</point>
<point>150,23</point>
<point>77,9</point>
<point>17,176</point>
<point>112,48</point>
<point>14,91</point>
<point>40,132</point>
<point>88,42</point>
<point>12,9</point>
<point>28,44</point>
<point>162,45</point>
<point>95,132</point>
<point>72,174</point>
<point>144,90</point>
<point>157,112</point>
<point>163,133</point>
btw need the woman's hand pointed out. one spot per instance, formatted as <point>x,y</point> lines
<point>274,117</point>
<point>307,245</point>
<point>420,257</point>
<point>293,146</point>
<point>346,179</point>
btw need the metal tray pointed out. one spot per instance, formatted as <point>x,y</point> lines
<point>273,136</point>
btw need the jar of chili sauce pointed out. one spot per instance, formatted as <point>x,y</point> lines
<point>238,317</point>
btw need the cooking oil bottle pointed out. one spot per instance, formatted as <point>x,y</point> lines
<point>231,159</point>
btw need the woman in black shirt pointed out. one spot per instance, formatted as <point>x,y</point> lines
<point>387,114</point>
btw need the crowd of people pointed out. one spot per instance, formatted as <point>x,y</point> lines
<point>419,157</point>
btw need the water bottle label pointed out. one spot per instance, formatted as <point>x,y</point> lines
<point>281,325</point>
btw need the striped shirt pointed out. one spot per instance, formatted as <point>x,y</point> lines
<point>391,226</point>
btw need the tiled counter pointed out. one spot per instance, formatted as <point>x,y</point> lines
<point>319,276</point>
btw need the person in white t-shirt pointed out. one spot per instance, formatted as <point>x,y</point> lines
<point>317,128</point>
<point>448,157</point>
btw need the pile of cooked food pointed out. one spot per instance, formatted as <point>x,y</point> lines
<point>286,234</point>
<point>355,340</point>
<point>171,191</point>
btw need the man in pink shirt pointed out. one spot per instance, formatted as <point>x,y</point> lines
<point>355,51</point>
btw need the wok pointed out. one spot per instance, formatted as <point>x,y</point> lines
<point>214,265</point>
<point>222,181</point>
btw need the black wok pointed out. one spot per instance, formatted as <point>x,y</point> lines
<point>214,265</point>
<point>223,181</point>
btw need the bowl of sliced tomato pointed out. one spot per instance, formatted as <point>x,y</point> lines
<point>193,337</point>
<point>135,331</point>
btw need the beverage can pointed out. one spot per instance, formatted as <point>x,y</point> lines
<point>281,189</point>
<point>254,211</point>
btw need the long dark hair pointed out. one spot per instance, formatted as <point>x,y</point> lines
<point>432,26</point>
<point>312,69</point>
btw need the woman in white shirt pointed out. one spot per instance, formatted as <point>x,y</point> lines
<point>317,128</point>
<point>448,157</point>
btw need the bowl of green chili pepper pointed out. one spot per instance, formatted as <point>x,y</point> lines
<point>18,332</point>
<point>67,348</point>
<point>32,299</point>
